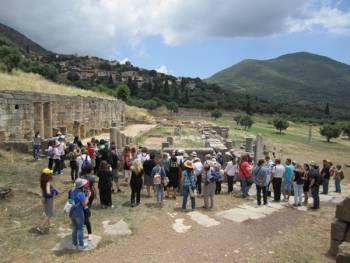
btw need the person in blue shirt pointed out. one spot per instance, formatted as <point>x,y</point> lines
<point>287,180</point>
<point>260,174</point>
<point>158,174</point>
<point>188,185</point>
<point>77,215</point>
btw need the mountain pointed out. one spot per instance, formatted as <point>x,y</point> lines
<point>14,37</point>
<point>299,78</point>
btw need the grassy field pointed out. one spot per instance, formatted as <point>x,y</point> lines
<point>35,83</point>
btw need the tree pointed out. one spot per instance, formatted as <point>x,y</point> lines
<point>326,110</point>
<point>11,57</point>
<point>186,98</point>
<point>237,119</point>
<point>110,80</point>
<point>166,87</point>
<point>176,93</point>
<point>246,121</point>
<point>105,66</point>
<point>216,114</point>
<point>133,87</point>
<point>280,123</point>
<point>123,92</point>
<point>248,107</point>
<point>330,131</point>
<point>172,106</point>
<point>73,76</point>
<point>346,130</point>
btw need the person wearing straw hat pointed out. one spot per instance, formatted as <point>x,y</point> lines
<point>188,185</point>
<point>298,184</point>
<point>48,193</point>
<point>81,198</point>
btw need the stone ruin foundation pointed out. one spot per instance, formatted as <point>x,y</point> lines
<point>340,233</point>
<point>24,113</point>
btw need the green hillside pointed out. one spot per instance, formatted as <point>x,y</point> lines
<point>14,37</point>
<point>301,78</point>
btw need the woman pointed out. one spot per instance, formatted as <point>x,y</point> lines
<point>245,176</point>
<point>298,185</point>
<point>126,162</point>
<point>173,175</point>
<point>73,163</point>
<point>230,171</point>
<point>307,181</point>
<point>209,186</point>
<point>105,185</point>
<point>48,193</point>
<point>148,166</point>
<point>136,182</point>
<point>91,188</point>
<point>165,163</point>
<point>158,175</point>
<point>338,176</point>
<point>50,154</point>
<point>189,185</point>
<point>56,158</point>
<point>36,145</point>
<point>77,214</point>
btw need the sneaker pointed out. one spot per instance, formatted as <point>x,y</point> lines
<point>82,247</point>
<point>89,237</point>
<point>112,206</point>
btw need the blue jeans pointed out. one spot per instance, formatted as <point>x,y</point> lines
<point>36,150</point>
<point>185,194</point>
<point>325,185</point>
<point>77,228</point>
<point>337,184</point>
<point>315,195</point>
<point>298,193</point>
<point>159,192</point>
<point>244,186</point>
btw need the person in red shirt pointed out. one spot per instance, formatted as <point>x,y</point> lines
<point>245,175</point>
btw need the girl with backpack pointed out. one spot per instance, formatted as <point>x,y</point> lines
<point>158,174</point>
<point>174,176</point>
<point>136,182</point>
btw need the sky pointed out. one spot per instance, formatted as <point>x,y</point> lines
<point>194,38</point>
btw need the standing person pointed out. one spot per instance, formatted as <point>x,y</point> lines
<point>158,174</point>
<point>73,162</point>
<point>298,185</point>
<point>231,170</point>
<point>209,186</point>
<point>219,176</point>
<point>113,161</point>
<point>91,152</point>
<point>277,174</point>
<point>105,185</point>
<point>316,181</point>
<point>62,151</point>
<point>126,162</point>
<point>36,146</point>
<point>174,176</point>
<point>326,174</point>
<point>50,154</point>
<point>148,166</point>
<point>188,185</point>
<point>136,182</point>
<point>84,161</point>
<point>338,177</point>
<point>260,179</point>
<point>97,156</point>
<point>143,155</point>
<point>307,181</point>
<point>77,216</point>
<point>165,163</point>
<point>287,180</point>
<point>198,170</point>
<point>268,165</point>
<point>91,188</point>
<point>57,159</point>
<point>48,192</point>
<point>245,175</point>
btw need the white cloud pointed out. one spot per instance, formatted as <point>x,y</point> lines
<point>100,27</point>
<point>124,60</point>
<point>162,69</point>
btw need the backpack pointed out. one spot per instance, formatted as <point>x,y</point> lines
<point>70,204</point>
<point>85,164</point>
<point>259,179</point>
<point>319,180</point>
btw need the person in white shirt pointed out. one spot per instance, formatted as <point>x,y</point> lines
<point>268,165</point>
<point>83,161</point>
<point>277,174</point>
<point>198,170</point>
<point>143,155</point>
<point>231,170</point>
<point>62,151</point>
<point>56,158</point>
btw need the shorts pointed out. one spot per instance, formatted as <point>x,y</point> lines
<point>115,175</point>
<point>287,187</point>
<point>48,207</point>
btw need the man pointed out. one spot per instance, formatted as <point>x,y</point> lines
<point>148,166</point>
<point>230,171</point>
<point>268,165</point>
<point>260,175</point>
<point>287,180</point>
<point>62,151</point>
<point>113,161</point>
<point>198,170</point>
<point>143,155</point>
<point>209,185</point>
<point>326,174</point>
<point>315,184</point>
<point>245,175</point>
<point>277,174</point>
<point>84,161</point>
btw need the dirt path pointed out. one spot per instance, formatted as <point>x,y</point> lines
<point>135,129</point>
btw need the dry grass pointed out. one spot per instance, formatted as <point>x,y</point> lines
<point>138,115</point>
<point>35,83</point>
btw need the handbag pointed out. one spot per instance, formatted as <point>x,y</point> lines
<point>157,179</point>
<point>249,181</point>
<point>193,193</point>
<point>165,181</point>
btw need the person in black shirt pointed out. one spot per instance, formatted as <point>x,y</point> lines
<point>148,166</point>
<point>105,185</point>
<point>315,185</point>
<point>326,174</point>
<point>307,181</point>
<point>113,160</point>
<point>136,181</point>
<point>298,184</point>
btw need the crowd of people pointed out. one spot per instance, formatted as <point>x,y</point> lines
<point>170,175</point>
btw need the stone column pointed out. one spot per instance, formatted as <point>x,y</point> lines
<point>47,120</point>
<point>113,135</point>
<point>76,128</point>
<point>258,149</point>
<point>310,134</point>
<point>39,118</point>
<point>249,144</point>
<point>119,140</point>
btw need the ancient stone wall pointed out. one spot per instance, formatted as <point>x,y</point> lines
<point>24,113</point>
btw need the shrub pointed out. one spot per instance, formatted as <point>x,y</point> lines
<point>330,131</point>
<point>280,123</point>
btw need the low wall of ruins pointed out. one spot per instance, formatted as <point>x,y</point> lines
<point>24,113</point>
